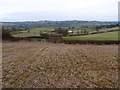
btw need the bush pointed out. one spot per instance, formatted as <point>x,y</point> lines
<point>62,31</point>
<point>44,36</point>
<point>6,34</point>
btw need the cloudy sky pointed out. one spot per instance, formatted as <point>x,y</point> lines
<point>35,10</point>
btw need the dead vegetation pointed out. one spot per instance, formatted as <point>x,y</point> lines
<point>45,65</point>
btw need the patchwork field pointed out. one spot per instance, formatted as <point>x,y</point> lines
<point>46,65</point>
<point>34,32</point>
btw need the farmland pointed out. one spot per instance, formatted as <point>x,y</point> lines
<point>37,31</point>
<point>100,36</point>
<point>34,32</point>
<point>29,60</point>
<point>106,35</point>
<point>47,65</point>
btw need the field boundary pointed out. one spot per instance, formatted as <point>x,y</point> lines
<point>94,33</point>
<point>99,42</point>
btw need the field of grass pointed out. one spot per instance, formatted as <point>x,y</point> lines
<point>47,65</point>
<point>115,28</point>
<point>25,34</point>
<point>34,32</point>
<point>100,36</point>
<point>37,31</point>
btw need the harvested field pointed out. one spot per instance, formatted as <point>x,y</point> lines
<point>46,65</point>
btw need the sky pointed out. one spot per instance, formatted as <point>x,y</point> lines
<point>58,10</point>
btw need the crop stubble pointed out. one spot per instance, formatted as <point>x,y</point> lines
<point>47,65</point>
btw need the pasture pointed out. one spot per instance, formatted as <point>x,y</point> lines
<point>50,30</point>
<point>100,36</point>
<point>47,65</point>
<point>34,32</point>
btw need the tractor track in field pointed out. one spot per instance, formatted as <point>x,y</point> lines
<point>47,65</point>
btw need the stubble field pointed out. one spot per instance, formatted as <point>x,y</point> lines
<point>47,65</point>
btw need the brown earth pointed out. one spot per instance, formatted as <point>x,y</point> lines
<point>47,65</point>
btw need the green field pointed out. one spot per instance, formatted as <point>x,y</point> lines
<point>101,36</point>
<point>25,34</point>
<point>34,32</point>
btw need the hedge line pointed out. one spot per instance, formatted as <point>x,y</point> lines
<point>99,42</point>
<point>95,32</point>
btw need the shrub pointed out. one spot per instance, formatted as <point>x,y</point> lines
<point>62,31</point>
<point>6,34</point>
<point>44,35</point>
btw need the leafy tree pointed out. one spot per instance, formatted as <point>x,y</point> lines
<point>62,31</point>
<point>6,34</point>
<point>78,32</point>
<point>44,35</point>
<point>97,28</point>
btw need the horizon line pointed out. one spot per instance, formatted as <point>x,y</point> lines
<point>62,20</point>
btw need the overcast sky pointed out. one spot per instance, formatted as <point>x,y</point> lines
<point>35,10</point>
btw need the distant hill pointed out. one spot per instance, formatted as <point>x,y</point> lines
<point>73,23</point>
